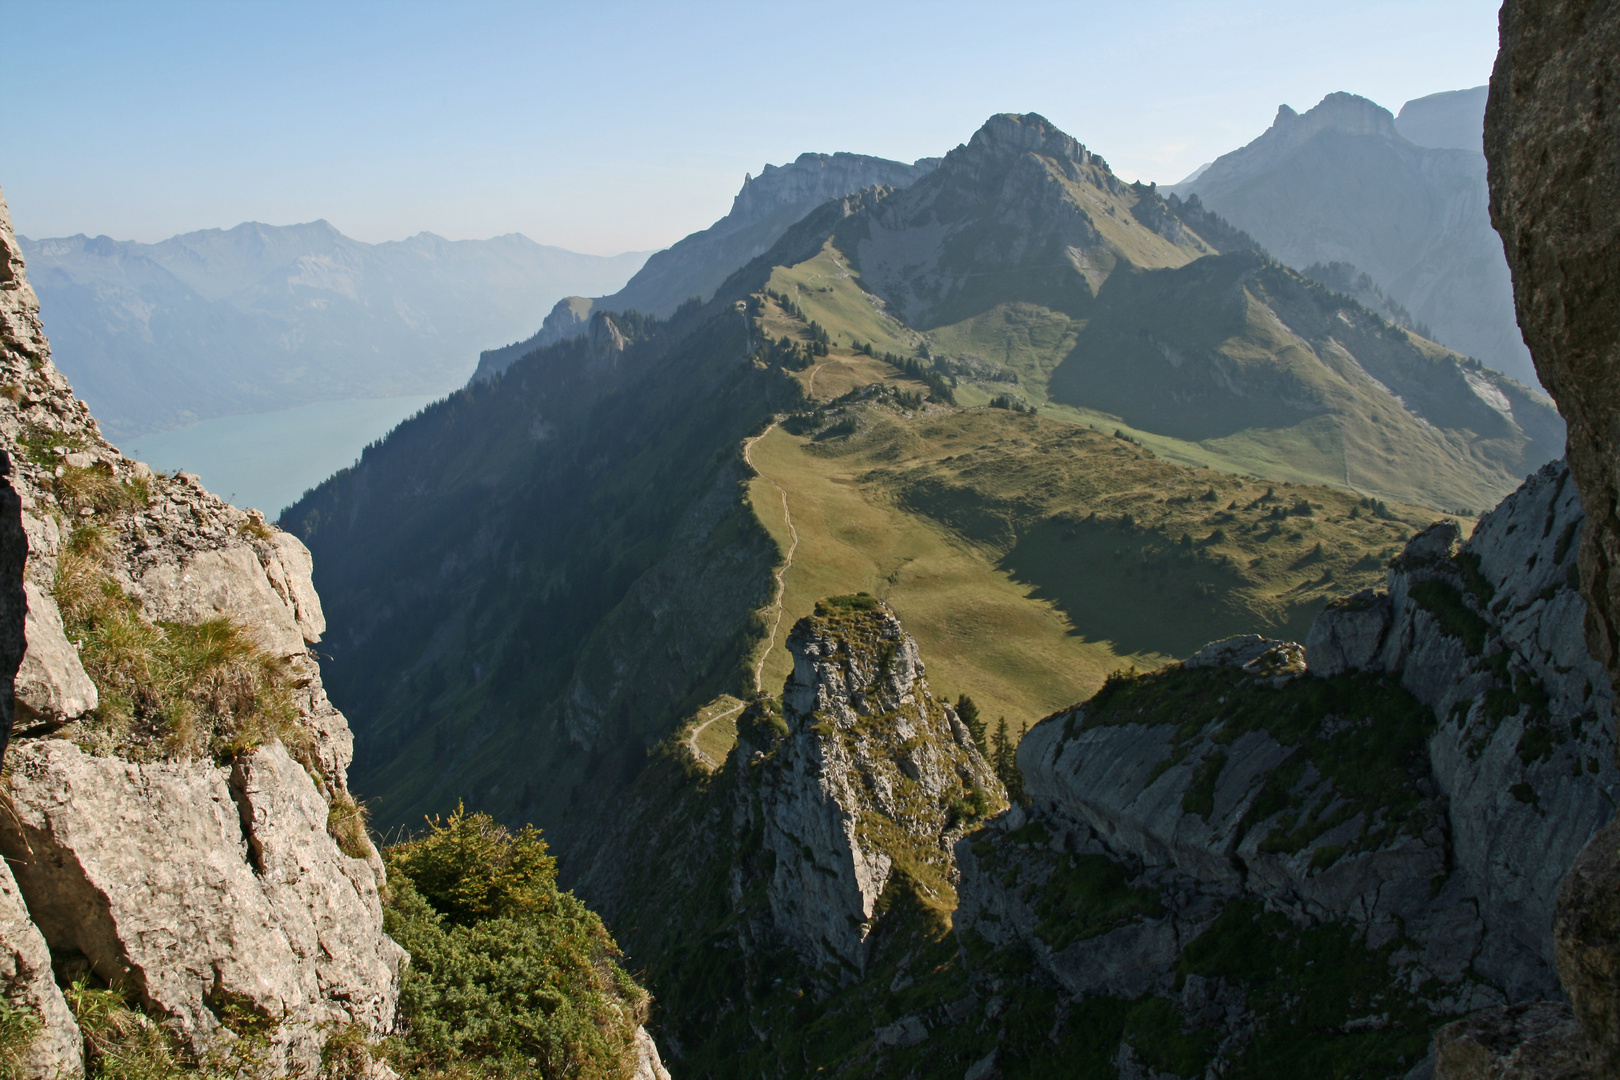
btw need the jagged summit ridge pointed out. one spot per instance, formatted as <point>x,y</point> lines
<point>761,213</point>
<point>813,178</point>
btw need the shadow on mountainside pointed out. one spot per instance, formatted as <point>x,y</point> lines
<point>1170,605</point>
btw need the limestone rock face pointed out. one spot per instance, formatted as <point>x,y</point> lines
<point>25,967</point>
<point>1552,139</point>
<point>51,680</point>
<point>648,1064</point>
<point>200,887</point>
<point>229,582</point>
<point>1514,772</point>
<point>867,774</point>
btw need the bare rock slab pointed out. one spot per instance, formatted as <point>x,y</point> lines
<point>201,888</point>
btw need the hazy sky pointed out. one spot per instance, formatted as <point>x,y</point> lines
<point>605,127</point>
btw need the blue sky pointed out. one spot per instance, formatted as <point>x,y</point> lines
<point>613,126</point>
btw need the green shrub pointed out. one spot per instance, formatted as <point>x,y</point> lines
<point>509,975</point>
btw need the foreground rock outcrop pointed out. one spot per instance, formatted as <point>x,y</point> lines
<point>183,855</point>
<point>1552,139</point>
<point>1423,786</point>
<point>202,889</point>
<point>862,785</point>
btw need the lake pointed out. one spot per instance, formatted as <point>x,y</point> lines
<point>267,460</point>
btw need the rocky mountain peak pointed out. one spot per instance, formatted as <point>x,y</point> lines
<point>1348,112</point>
<point>869,787</point>
<point>1007,134</point>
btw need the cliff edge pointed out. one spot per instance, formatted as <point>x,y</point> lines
<point>179,827</point>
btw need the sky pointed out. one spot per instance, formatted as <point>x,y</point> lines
<point>608,126</point>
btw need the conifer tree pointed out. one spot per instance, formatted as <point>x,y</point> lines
<point>968,713</point>
<point>1004,759</point>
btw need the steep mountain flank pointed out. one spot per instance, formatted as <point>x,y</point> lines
<point>697,265</point>
<point>263,317</point>
<point>1341,183</point>
<point>535,576</point>
<point>1232,346</point>
<point>1553,142</point>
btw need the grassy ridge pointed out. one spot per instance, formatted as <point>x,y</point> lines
<point>1031,557</point>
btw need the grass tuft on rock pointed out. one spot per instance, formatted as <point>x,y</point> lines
<point>176,691</point>
<point>18,1030</point>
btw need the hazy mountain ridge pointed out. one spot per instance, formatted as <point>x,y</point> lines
<point>761,212</point>
<point>1342,183</point>
<point>260,317</point>
<point>1451,119</point>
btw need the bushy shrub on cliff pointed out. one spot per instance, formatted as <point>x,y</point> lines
<point>509,975</point>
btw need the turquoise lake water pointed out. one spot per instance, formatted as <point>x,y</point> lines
<point>267,460</point>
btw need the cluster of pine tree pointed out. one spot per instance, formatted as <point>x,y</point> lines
<point>939,385</point>
<point>1007,401</point>
<point>793,355</point>
<point>999,746</point>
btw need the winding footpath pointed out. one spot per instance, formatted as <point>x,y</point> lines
<point>781,571</point>
<point>781,588</point>
<point>692,739</point>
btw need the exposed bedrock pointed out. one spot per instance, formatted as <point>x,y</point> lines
<point>1552,139</point>
<point>1231,775</point>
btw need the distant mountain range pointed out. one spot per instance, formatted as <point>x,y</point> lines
<point>695,266</point>
<point>1402,200</point>
<point>264,317</point>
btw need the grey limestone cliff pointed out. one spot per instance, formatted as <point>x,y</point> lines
<point>194,881</point>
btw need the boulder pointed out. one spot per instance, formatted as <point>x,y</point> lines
<point>227,582</point>
<point>1348,635</point>
<point>202,889</point>
<point>51,682</point>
